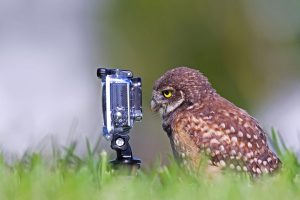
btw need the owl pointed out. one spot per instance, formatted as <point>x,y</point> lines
<point>198,121</point>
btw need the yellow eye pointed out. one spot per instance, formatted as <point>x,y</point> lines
<point>167,93</point>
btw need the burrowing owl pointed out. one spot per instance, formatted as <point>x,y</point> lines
<point>197,119</point>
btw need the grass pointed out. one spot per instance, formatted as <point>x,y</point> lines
<point>71,177</point>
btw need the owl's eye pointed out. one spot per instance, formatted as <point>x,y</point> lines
<point>167,93</point>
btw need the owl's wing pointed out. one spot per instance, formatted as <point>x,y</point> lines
<point>228,134</point>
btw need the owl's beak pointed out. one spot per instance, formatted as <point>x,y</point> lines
<point>154,106</point>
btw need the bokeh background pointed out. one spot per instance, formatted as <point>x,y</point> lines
<point>50,50</point>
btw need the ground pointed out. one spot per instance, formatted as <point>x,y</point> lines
<point>69,177</point>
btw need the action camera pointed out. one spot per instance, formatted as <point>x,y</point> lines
<point>122,107</point>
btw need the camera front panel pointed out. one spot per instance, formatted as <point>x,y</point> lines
<point>121,100</point>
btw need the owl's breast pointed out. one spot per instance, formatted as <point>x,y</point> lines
<point>183,146</point>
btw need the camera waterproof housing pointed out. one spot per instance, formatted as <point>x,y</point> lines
<point>122,106</point>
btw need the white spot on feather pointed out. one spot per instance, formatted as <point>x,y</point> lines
<point>232,129</point>
<point>222,163</point>
<point>208,150</point>
<point>222,125</point>
<point>240,134</point>
<point>246,125</point>
<point>233,152</point>
<point>222,148</point>
<point>214,141</point>
<point>234,139</point>
<point>242,144</point>
<point>249,145</point>
<point>258,171</point>
<point>265,163</point>
<point>259,161</point>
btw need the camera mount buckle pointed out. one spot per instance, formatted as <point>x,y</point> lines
<point>120,143</point>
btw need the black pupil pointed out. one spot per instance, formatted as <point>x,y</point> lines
<point>167,93</point>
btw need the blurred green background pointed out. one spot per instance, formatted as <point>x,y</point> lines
<point>247,48</point>
<point>242,46</point>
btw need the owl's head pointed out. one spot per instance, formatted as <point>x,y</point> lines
<point>179,87</point>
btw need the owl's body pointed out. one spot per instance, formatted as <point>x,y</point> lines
<point>198,120</point>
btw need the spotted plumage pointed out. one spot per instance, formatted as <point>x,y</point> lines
<point>197,119</point>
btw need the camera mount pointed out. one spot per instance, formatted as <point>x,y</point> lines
<point>122,106</point>
<point>120,143</point>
